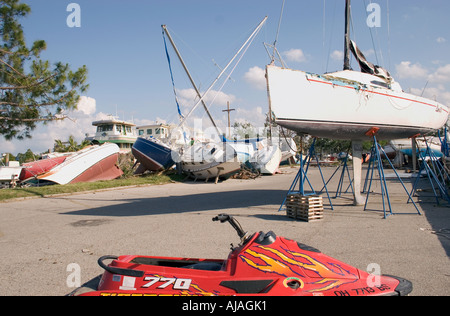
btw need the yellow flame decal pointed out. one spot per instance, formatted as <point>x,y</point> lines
<point>287,263</point>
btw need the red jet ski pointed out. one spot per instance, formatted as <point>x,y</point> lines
<point>263,264</point>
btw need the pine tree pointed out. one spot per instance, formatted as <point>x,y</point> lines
<point>32,90</point>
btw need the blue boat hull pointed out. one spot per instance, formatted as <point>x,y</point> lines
<point>423,152</point>
<point>151,155</point>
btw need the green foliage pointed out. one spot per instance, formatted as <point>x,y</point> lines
<point>31,90</point>
<point>28,156</point>
<point>70,146</point>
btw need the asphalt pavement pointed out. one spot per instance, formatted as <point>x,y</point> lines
<point>48,245</point>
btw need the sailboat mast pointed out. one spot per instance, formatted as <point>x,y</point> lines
<point>347,36</point>
<point>189,76</point>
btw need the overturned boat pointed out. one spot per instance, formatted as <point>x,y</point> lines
<point>267,159</point>
<point>211,160</point>
<point>153,154</point>
<point>32,170</point>
<point>94,163</point>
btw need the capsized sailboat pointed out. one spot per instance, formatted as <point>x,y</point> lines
<point>211,160</point>
<point>153,154</point>
<point>267,160</point>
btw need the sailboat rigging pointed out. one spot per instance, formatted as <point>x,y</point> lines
<point>348,104</point>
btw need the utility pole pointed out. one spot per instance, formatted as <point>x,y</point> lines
<point>229,121</point>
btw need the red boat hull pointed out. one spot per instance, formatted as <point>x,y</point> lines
<point>36,168</point>
<point>105,169</point>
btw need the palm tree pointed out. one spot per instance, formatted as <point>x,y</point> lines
<point>69,146</point>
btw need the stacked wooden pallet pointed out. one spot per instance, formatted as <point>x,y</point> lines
<point>304,208</point>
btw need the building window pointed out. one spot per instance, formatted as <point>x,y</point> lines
<point>104,128</point>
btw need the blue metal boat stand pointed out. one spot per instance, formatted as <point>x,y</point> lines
<point>302,176</point>
<point>436,173</point>
<point>377,163</point>
<point>345,171</point>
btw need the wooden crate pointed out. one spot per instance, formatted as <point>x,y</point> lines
<point>304,208</point>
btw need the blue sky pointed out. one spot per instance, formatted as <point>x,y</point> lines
<point>121,44</point>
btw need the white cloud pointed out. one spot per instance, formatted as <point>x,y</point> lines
<point>256,77</point>
<point>441,75</point>
<point>439,93</point>
<point>411,71</point>
<point>44,136</point>
<point>87,105</point>
<point>254,116</point>
<point>441,40</point>
<point>188,98</point>
<point>337,55</point>
<point>295,55</point>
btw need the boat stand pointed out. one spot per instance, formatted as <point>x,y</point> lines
<point>436,173</point>
<point>302,176</point>
<point>376,162</point>
<point>345,171</point>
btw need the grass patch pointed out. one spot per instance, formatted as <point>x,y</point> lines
<point>149,179</point>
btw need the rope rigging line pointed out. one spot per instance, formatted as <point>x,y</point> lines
<point>171,76</point>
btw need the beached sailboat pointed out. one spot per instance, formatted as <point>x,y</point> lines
<point>93,163</point>
<point>347,104</point>
<point>267,159</point>
<point>153,154</point>
<point>259,154</point>
<point>211,160</point>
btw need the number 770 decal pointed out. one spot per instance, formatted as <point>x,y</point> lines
<point>177,284</point>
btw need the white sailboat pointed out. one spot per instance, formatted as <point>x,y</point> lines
<point>347,104</point>
<point>350,105</point>
<point>267,160</point>
<point>210,159</point>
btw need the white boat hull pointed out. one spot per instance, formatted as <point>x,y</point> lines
<point>327,107</point>
<point>90,164</point>
<point>210,161</point>
<point>267,160</point>
<point>8,174</point>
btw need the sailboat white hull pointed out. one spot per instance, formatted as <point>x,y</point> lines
<point>331,107</point>
<point>267,160</point>
<point>206,161</point>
